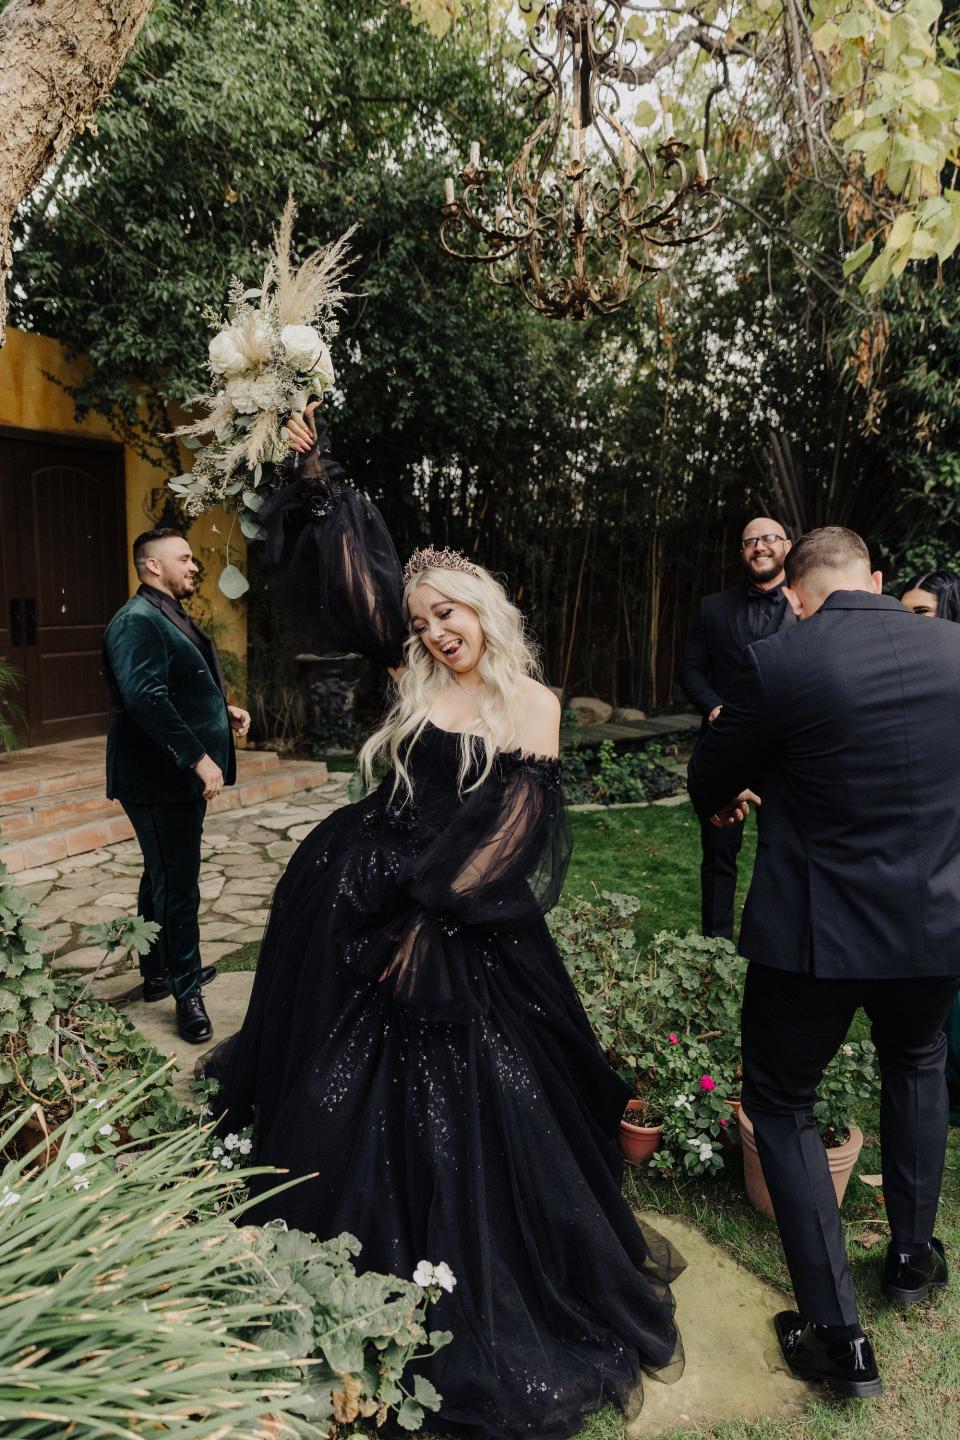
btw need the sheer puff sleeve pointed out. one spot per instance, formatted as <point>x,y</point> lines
<point>334,563</point>
<point>497,867</point>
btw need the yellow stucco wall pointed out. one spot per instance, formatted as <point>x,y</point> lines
<point>31,401</point>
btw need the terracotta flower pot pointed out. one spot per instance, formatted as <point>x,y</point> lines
<point>841,1159</point>
<point>638,1142</point>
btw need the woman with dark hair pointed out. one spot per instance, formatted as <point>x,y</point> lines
<point>937,595</point>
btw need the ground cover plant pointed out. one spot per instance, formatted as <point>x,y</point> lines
<point>135,1302</point>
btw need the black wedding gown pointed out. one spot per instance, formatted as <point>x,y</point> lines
<point>413,1037</point>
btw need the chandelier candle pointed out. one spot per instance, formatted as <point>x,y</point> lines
<point>587,214</point>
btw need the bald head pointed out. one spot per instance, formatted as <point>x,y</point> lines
<point>764,546</point>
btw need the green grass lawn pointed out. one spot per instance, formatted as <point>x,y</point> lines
<point>654,852</point>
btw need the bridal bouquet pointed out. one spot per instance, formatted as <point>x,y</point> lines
<point>269,355</point>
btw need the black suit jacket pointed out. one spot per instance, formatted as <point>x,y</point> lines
<point>848,727</point>
<point>167,704</point>
<point>716,643</point>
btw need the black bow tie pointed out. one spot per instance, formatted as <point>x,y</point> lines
<point>753,594</point>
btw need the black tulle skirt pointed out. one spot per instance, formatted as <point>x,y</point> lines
<point>487,1143</point>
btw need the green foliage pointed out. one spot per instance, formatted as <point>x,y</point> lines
<point>11,716</point>
<point>607,777</point>
<point>57,1046</point>
<point>849,1090</point>
<point>133,1301</point>
<point>668,1021</point>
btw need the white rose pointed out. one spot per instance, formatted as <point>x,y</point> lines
<point>225,358</point>
<point>305,348</point>
<point>302,345</point>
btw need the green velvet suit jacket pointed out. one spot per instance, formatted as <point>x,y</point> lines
<point>167,707</point>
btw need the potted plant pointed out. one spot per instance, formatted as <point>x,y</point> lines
<point>850,1080</point>
<point>668,1019</point>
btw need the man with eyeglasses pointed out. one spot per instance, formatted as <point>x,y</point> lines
<point>725,625</point>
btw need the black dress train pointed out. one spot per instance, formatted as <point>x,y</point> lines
<point>413,1037</point>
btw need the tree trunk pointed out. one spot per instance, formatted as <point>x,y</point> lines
<point>60,60</point>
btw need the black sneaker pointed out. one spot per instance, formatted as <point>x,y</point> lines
<point>159,988</point>
<point>847,1367</point>
<point>910,1278</point>
<point>193,1022</point>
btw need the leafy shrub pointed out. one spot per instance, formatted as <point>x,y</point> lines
<point>133,1304</point>
<point>605,777</point>
<point>58,1043</point>
<point>850,1081</point>
<point>669,1022</point>
<point>11,716</point>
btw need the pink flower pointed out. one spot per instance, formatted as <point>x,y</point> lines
<point>674,1039</point>
<point>706,1083</point>
<point>724,1123</point>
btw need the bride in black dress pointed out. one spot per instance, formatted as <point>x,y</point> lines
<point>412,1034</point>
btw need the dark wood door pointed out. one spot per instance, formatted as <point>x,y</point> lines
<point>62,575</point>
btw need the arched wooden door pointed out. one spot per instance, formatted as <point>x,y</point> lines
<point>62,576</point>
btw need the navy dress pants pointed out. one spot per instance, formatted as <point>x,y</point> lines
<point>169,837</point>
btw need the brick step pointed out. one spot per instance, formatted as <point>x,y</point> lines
<point>53,840</point>
<point>19,788</point>
<point>85,800</point>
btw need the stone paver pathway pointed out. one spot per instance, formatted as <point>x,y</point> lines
<point>733,1367</point>
<point>244,852</point>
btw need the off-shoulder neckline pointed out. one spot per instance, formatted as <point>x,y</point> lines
<point>529,755</point>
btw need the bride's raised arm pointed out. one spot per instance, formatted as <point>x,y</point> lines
<point>335,565</point>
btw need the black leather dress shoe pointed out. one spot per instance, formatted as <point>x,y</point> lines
<point>159,989</point>
<point>846,1366</point>
<point>193,1022</point>
<point>910,1278</point>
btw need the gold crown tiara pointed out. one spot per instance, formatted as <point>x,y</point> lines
<point>433,559</point>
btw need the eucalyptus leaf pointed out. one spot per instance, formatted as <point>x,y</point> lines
<point>233,583</point>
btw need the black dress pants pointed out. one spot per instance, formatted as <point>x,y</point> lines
<point>169,837</point>
<point>792,1026</point>
<point>718,877</point>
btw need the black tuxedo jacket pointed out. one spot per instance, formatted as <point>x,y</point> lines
<point>716,643</point>
<point>848,727</point>
<point>168,704</point>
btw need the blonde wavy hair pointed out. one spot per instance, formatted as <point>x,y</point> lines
<point>508,655</point>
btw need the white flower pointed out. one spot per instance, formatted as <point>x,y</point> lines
<point>10,1197</point>
<point>248,394</point>
<point>75,1160</point>
<point>105,1130</point>
<point>82,1184</point>
<point>306,350</point>
<point>444,1276</point>
<point>217,1151</point>
<point>226,1163</point>
<point>245,1147</point>
<point>847,1049</point>
<point>231,1142</point>
<point>225,358</point>
<point>424,1275</point>
<point>706,1149</point>
<point>682,1100</point>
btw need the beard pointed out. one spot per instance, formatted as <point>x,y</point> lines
<point>764,569</point>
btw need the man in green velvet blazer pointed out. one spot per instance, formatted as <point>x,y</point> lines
<point>170,749</point>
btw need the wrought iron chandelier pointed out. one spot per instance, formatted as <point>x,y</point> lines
<point>587,215</point>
